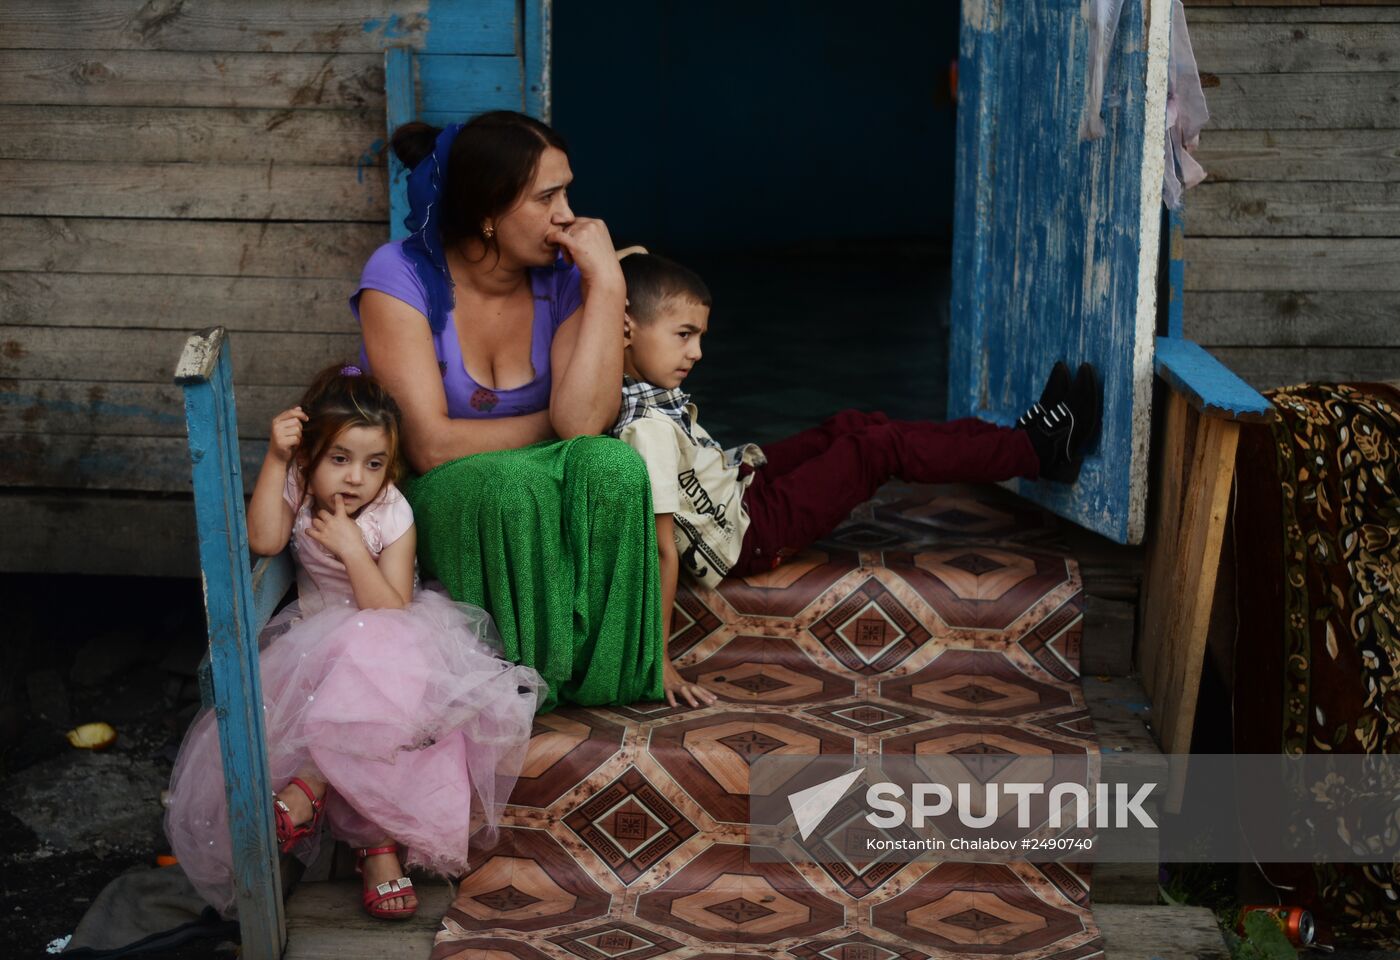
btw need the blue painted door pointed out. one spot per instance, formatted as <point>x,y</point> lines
<point>1056,240</point>
<point>474,56</point>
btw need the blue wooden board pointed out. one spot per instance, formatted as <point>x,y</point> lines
<point>1055,240</point>
<point>1209,385</point>
<point>536,60</point>
<point>450,26</point>
<point>449,81</point>
<point>206,374</point>
<point>472,26</point>
<point>455,88</point>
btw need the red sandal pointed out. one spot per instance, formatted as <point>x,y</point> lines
<point>402,887</point>
<point>289,834</point>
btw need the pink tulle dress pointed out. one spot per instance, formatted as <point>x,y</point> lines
<point>417,725</point>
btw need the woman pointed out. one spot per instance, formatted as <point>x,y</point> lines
<point>497,326</point>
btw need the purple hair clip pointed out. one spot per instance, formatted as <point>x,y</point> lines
<point>350,370</point>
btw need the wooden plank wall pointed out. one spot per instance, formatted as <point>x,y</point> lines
<point>1293,243</point>
<point>168,167</point>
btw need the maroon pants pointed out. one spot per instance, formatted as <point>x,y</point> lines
<point>813,481</point>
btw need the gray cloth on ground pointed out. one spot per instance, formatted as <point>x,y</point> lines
<point>138,904</point>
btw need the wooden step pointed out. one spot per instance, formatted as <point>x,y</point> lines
<point>1107,647</point>
<point>1134,932</point>
<point>1120,710</point>
<point>326,922</point>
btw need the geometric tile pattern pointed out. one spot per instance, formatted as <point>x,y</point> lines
<point>630,825</point>
<point>869,630</point>
<point>937,620</point>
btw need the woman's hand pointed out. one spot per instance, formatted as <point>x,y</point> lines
<point>337,532</point>
<point>588,244</point>
<point>678,688</point>
<point>285,436</point>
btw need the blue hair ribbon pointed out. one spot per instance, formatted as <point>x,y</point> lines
<point>424,222</point>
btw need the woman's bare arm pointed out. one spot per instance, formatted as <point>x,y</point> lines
<point>586,356</point>
<point>399,345</point>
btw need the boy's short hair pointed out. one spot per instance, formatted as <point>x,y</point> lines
<point>652,280</point>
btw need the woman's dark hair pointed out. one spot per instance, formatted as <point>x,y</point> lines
<point>343,396</point>
<point>491,164</point>
<point>652,280</point>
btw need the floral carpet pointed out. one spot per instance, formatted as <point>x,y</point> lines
<point>1317,529</point>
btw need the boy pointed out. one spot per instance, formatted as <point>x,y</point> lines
<point>742,511</point>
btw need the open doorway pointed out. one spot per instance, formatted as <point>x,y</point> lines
<point>800,157</point>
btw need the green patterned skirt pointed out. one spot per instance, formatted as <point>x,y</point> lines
<point>558,542</point>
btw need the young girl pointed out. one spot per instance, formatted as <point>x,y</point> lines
<point>384,707</point>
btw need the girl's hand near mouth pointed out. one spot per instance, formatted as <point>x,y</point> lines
<point>337,532</point>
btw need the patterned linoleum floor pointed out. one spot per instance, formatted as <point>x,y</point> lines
<point>937,621</point>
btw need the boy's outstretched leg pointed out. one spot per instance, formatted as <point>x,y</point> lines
<point>963,451</point>
<point>788,454</point>
<point>790,510</point>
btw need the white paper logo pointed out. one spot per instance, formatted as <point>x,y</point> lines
<point>810,806</point>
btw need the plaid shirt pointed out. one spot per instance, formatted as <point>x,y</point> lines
<point>692,477</point>
<point>638,395</point>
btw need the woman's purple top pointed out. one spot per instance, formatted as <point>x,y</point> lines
<point>558,293</point>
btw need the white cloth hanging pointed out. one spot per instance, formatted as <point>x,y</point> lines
<point>1186,101</point>
<point>1102,16</point>
<point>1186,114</point>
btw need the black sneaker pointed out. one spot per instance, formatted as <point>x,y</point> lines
<point>1056,389</point>
<point>1085,398</point>
<point>1063,432</point>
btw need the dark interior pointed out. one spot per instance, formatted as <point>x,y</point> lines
<point>800,157</point>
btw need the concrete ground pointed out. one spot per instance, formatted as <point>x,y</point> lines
<point>81,649</point>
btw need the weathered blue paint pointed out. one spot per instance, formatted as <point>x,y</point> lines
<point>474,26</point>
<point>452,77</point>
<point>452,88</point>
<point>206,375</point>
<point>390,28</point>
<point>95,408</point>
<point>272,578</point>
<point>1176,270</point>
<point>103,463</point>
<point>369,158</point>
<point>399,108</point>
<point>538,35</point>
<point>1208,384</point>
<point>452,26</point>
<point>1048,236</point>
